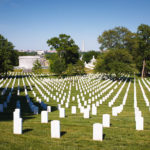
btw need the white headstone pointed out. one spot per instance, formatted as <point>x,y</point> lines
<point>106,120</point>
<point>55,129</point>
<point>66,105</point>
<point>94,110</point>
<point>49,108</point>
<point>62,112</point>
<point>44,116</point>
<point>97,132</point>
<point>139,123</point>
<point>73,110</point>
<point>16,114</point>
<point>17,125</point>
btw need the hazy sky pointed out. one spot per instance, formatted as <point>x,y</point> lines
<point>28,24</point>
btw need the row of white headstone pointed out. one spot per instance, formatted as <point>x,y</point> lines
<point>117,95</point>
<point>73,98</point>
<point>97,127</point>
<point>85,111</point>
<point>146,84</point>
<point>5,103</point>
<point>32,106</point>
<point>139,120</point>
<point>118,109</point>
<point>143,93</point>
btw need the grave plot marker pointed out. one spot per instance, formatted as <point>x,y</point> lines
<point>97,132</point>
<point>49,108</point>
<point>106,120</point>
<point>73,110</point>
<point>55,129</point>
<point>44,116</point>
<point>17,122</point>
<point>62,112</point>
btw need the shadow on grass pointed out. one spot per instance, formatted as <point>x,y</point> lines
<point>54,108</point>
<point>27,130</point>
<point>6,116</point>
<point>104,136</point>
<point>62,133</point>
<point>27,117</point>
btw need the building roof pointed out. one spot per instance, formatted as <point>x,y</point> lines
<point>29,57</point>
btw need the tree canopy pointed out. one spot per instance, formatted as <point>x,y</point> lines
<point>143,51</point>
<point>115,62</point>
<point>137,44</point>
<point>66,61</point>
<point>117,38</point>
<point>87,56</point>
<point>9,57</point>
<point>65,47</point>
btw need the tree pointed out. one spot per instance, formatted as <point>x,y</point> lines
<point>115,62</point>
<point>87,56</point>
<point>65,47</point>
<point>67,54</point>
<point>76,69</point>
<point>37,66</point>
<point>143,52</point>
<point>57,66</point>
<point>50,56</point>
<point>118,38</point>
<point>27,53</point>
<point>79,67</point>
<point>9,57</point>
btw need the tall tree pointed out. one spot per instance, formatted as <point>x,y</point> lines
<point>8,56</point>
<point>115,62</point>
<point>143,52</point>
<point>118,38</point>
<point>58,66</point>
<point>67,53</point>
<point>65,47</point>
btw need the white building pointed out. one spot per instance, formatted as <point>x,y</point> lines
<point>26,62</point>
<point>40,52</point>
<point>91,64</point>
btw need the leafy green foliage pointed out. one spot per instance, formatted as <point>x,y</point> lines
<point>143,52</point>
<point>65,47</point>
<point>37,66</point>
<point>76,69</point>
<point>115,62</point>
<point>57,66</point>
<point>51,56</point>
<point>118,38</point>
<point>87,56</point>
<point>67,57</point>
<point>8,56</point>
<point>27,53</point>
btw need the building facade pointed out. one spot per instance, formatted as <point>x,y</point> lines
<point>26,62</point>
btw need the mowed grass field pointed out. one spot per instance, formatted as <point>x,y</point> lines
<point>76,132</point>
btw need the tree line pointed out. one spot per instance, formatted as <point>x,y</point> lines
<point>121,51</point>
<point>124,51</point>
<point>8,56</point>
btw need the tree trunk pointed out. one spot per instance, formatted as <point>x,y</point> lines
<point>143,69</point>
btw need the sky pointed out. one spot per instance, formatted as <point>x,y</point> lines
<point>28,24</point>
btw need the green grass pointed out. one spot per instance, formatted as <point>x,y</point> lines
<point>77,131</point>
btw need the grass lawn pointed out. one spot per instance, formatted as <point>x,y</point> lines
<point>76,132</point>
